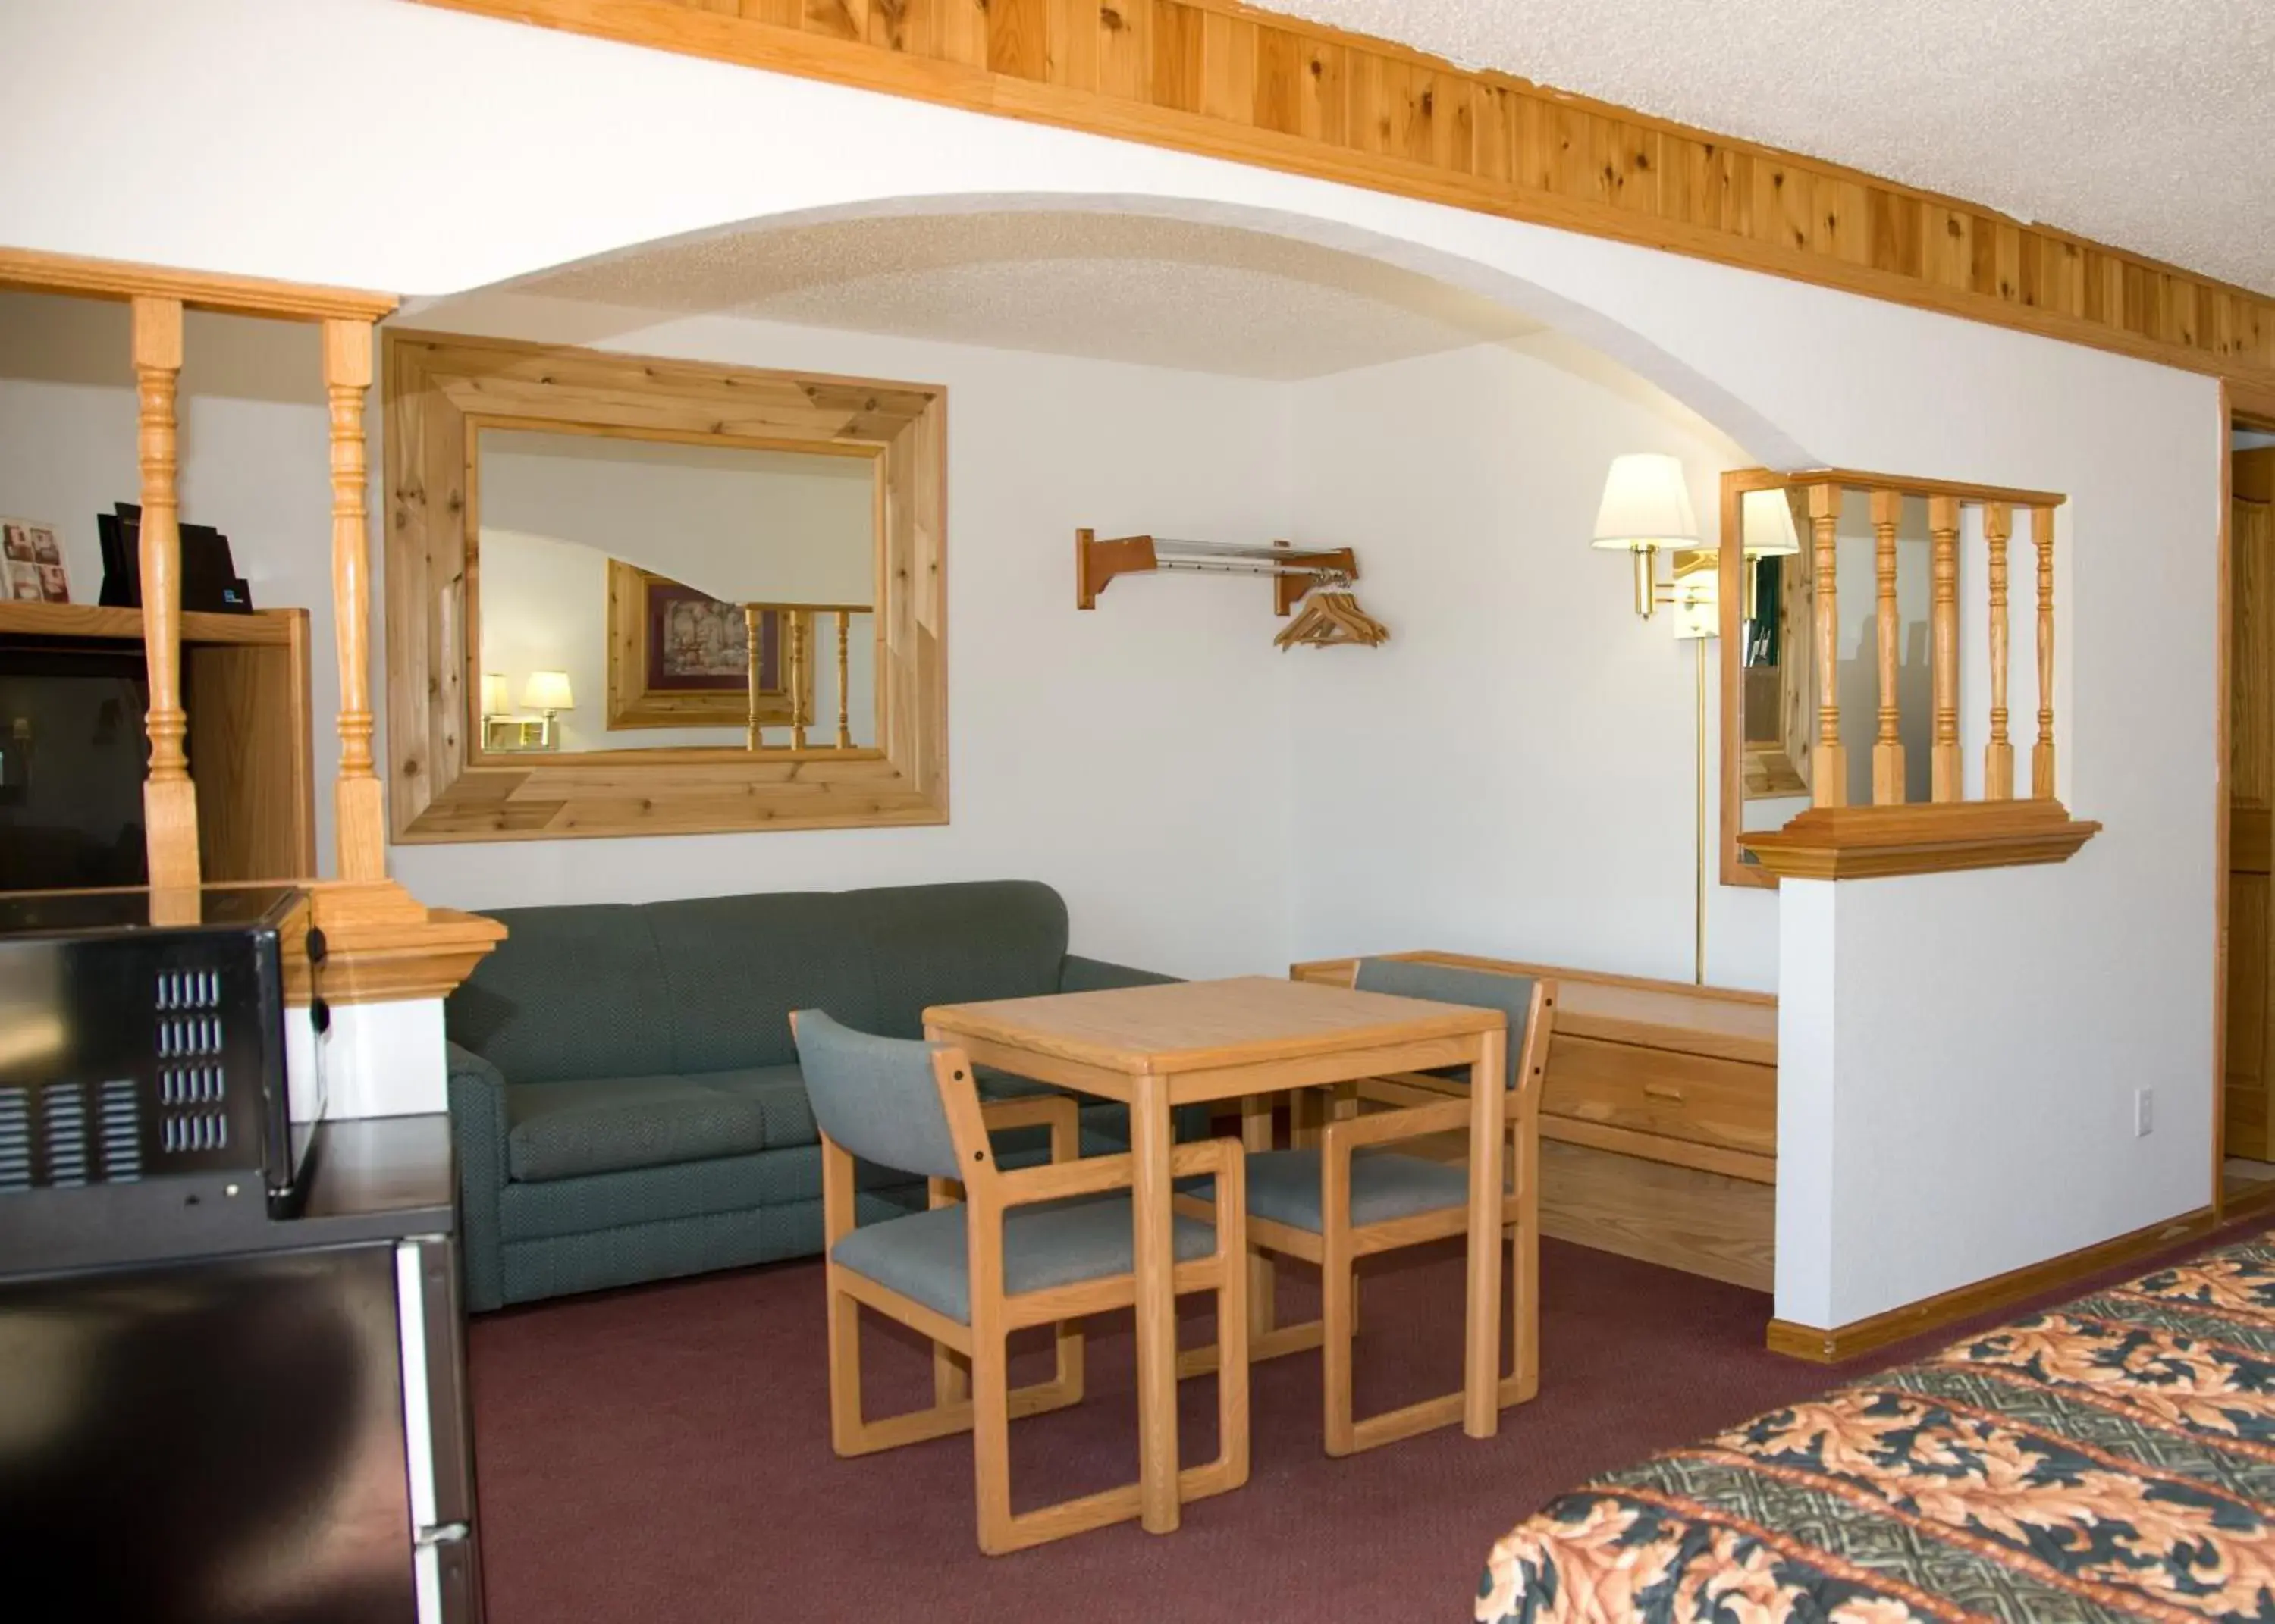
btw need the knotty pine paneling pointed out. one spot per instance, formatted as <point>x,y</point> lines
<point>1215,77</point>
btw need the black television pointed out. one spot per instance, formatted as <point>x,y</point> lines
<point>72,758</point>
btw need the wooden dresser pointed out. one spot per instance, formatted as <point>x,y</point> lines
<point>1659,1117</point>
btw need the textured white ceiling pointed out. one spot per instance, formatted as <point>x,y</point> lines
<point>2149,124</point>
<point>1115,287</point>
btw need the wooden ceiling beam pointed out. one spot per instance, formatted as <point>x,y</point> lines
<point>1227,81</point>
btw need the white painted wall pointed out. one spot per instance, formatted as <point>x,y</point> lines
<point>253,446</point>
<point>1513,774</point>
<point>1984,1030</point>
<point>1122,755</point>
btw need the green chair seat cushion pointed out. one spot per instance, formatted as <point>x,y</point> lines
<point>559,1130</point>
<point>1283,1186</point>
<point>925,1256</point>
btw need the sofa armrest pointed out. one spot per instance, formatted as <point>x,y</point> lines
<point>478,1122</point>
<point>1077,974</point>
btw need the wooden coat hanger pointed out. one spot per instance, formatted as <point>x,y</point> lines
<point>1331,616</point>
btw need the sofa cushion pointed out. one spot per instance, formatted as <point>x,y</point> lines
<point>571,993</point>
<point>951,944</point>
<point>559,1130</point>
<point>779,1092</point>
<point>923,1256</point>
<point>736,966</point>
<point>600,1201</point>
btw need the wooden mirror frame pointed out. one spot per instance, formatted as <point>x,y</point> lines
<point>441,389</point>
<point>1730,590</point>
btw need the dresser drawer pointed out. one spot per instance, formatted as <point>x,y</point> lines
<point>1697,1098</point>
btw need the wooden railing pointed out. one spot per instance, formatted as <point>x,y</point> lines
<point>383,943</point>
<point>800,625</point>
<point>1895,834</point>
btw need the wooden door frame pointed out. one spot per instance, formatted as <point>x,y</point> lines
<point>2239,403</point>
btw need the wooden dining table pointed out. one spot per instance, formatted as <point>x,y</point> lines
<point>1158,1047</point>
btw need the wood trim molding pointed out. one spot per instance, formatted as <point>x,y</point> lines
<point>442,787</point>
<point>1224,80</point>
<point>31,271</point>
<point>1863,1336</point>
<point>383,946</point>
<point>1872,842</point>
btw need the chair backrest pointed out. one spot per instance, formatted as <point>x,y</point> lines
<point>1448,983</point>
<point>876,1097</point>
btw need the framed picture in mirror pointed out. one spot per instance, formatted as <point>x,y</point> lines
<point>680,657</point>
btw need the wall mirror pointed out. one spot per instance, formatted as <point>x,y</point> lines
<point>636,596</point>
<point>1770,656</point>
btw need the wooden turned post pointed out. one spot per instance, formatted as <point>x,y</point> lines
<point>1828,770</point>
<point>360,817</point>
<point>2042,753</point>
<point>1997,755</point>
<point>794,624</point>
<point>844,703</point>
<point>1944,782</point>
<point>1887,745</point>
<point>170,802</point>
<point>752,619</point>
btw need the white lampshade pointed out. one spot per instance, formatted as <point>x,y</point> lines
<point>1766,523</point>
<point>494,693</point>
<point>548,691</point>
<point>1646,503</point>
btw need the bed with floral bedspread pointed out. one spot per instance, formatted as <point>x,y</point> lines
<point>2110,1459</point>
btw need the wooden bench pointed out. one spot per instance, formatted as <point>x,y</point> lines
<point>1659,1117</point>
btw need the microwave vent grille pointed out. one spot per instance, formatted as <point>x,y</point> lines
<point>15,1140</point>
<point>185,1132</point>
<point>64,1111</point>
<point>122,1132</point>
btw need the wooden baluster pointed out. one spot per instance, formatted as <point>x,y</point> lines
<point>795,624</point>
<point>1944,781</point>
<point>752,621</point>
<point>2041,754</point>
<point>360,817</point>
<point>1888,747</point>
<point>170,802</point>
<point>844,701</point>
<point>1997,755</point>
<point>1828,768</point>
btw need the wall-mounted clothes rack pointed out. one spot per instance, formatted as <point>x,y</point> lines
<point>1293,570</point>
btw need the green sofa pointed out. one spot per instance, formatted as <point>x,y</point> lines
<point>625,1094</point>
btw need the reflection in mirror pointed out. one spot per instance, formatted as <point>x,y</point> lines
<point>1777,701</point>
<point>648,594</point>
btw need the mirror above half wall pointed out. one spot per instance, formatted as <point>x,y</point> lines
<point>628,595</point>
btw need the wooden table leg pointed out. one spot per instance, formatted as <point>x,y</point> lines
<point>1157,1305</point>
<point>1481,1369</point>
<point>1256,1138</point>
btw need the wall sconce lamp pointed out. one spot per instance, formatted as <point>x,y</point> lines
<point>1646,506</point>
<point>547,691</point>
<point>544,691</point>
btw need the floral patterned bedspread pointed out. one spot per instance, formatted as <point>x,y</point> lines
<point>2111,1458</point>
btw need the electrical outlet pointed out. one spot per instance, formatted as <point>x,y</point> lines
<point>2145,1112</point>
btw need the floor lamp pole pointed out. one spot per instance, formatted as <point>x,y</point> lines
<point>1698,903</point>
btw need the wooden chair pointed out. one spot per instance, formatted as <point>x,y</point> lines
<point>1348,1198</point>
<point>1044,1245</point>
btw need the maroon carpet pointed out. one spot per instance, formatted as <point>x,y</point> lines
<point>663,1454</point>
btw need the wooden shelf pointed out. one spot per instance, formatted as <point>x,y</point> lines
<point>263,627</point>
<point>1868,843</point>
